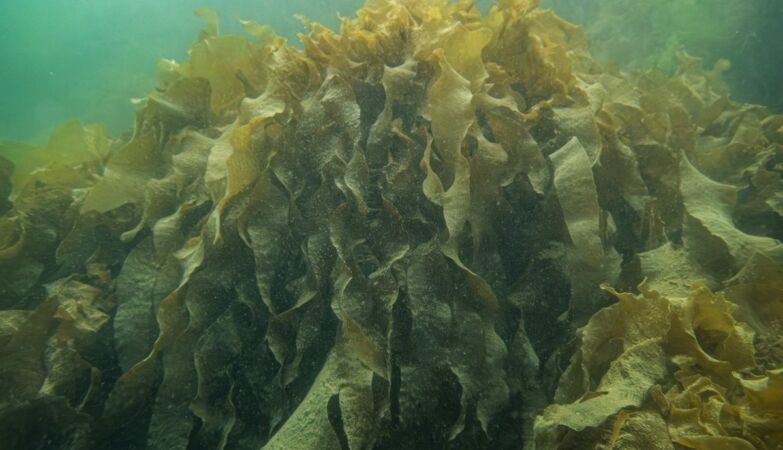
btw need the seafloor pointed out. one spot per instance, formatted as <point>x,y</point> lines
<point>433,229</point>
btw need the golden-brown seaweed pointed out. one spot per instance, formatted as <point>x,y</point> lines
<point>395,237</point>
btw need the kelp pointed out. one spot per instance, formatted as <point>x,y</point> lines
<point>694,348</point>
<point>396,237</point>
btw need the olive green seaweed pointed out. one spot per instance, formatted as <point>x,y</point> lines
<point>402,235</point>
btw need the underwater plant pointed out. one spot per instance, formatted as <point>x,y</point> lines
<point>402,235</point>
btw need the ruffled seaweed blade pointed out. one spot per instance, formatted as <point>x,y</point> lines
<point>395,238</point>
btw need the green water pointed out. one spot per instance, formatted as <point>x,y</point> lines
<point>641,35</point>
<point>87,58</point>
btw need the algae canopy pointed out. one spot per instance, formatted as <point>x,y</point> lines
<point>435,228</point>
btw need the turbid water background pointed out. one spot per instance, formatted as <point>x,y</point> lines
<point>61,59</point>
<point>85,59</point>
